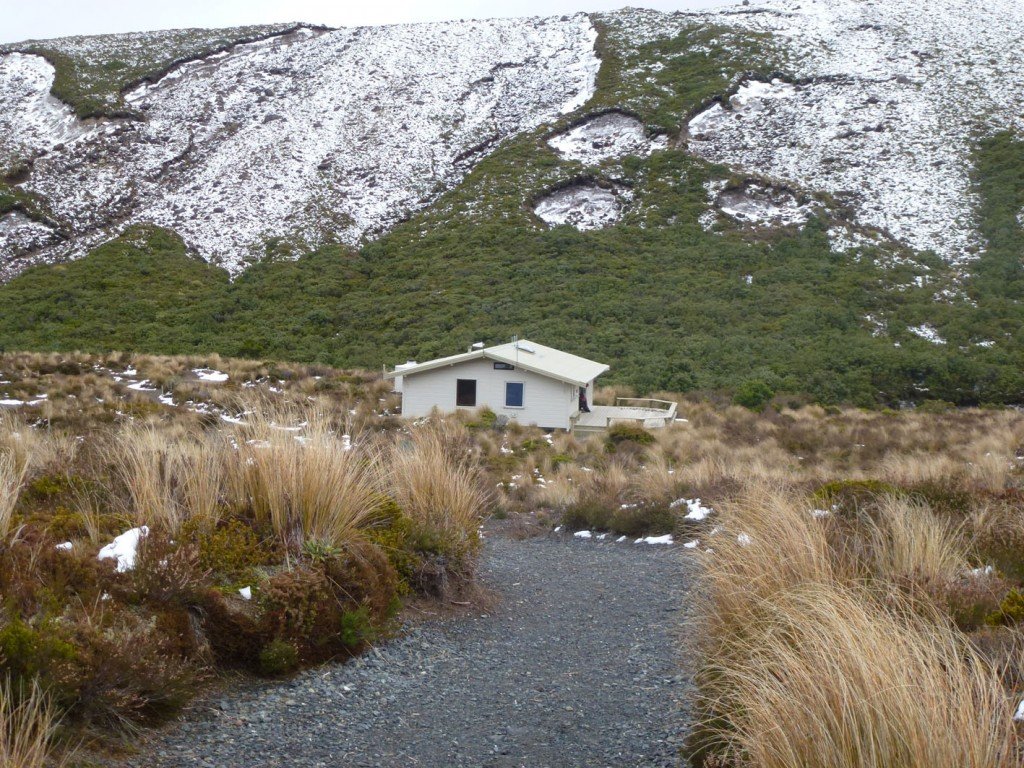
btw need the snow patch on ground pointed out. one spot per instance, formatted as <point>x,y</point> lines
<point>208,374</point>
<point>842,238</point>
<point>666,539</point>
<point>927,332</point>
<point>605,137</point>
<point>694,509</point>
<point>31,120</point>
<point>124,548</point>
<point>584,206</point>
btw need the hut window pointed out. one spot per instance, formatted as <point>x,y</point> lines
<point>465,392</point>
<point>514,393</point>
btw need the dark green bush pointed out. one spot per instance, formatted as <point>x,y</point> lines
<point>231,552</point>
<point>754,394</point>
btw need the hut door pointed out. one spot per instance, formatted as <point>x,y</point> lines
<point>465,392</point>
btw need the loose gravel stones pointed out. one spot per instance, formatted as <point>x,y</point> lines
<point>578,664</point>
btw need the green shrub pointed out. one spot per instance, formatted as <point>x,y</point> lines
<point>278,657</point>
<point>588,514</point>
<point>357,630</point>
<point>231,552</point>
<point>624,432</point>
<point>644,520</point>
<point>1011,609</point>
<point>754,394</point>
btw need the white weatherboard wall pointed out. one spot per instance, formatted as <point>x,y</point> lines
<point>546,402</point>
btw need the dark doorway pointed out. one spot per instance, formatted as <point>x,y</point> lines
<point>465,392</point>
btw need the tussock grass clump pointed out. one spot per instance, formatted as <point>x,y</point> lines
<point>908,543</point>
<point>12,477</point>
<point>439,488</point>
<point>828,678</point>
<point>771,543</point>
<point>318,488</point>
<point>819,652</point>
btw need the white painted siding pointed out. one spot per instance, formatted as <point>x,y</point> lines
<point>546,402</point>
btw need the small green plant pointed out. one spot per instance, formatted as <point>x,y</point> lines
<point>357,628</point>
<point>278,657</point>
<point>320,551</point>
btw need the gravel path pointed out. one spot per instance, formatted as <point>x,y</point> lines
<point>576,665</point>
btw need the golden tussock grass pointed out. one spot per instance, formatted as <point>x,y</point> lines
<point>818,655</point>
<point>28,722</point>
<point>829,678</point>
<point>12,476</point>
<point>908,542</point>
<point>437,485</point>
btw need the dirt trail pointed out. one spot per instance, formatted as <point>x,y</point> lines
<point>576,665</point>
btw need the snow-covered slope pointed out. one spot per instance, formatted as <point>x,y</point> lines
<point>332,136</point>
<point>890,96</point>
<point>316,136</point>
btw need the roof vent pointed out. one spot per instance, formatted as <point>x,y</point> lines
<point>525,347</point>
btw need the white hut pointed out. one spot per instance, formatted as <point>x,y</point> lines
<point>521,380</point>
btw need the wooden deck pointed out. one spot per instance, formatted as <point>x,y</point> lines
<point>650,414</point>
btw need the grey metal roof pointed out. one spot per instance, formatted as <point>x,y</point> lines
<point>528,355</point>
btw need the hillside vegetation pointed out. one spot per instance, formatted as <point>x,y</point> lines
<point>668,302</point>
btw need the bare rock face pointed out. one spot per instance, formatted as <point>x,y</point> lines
<point>584,206</point>
<point>604,137</point>
<point>322,136</point>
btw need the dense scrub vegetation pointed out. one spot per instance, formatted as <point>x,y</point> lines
<point>270,521</point>
<point>298,486</point>
<point>92,73</point>
<point>661,298</point>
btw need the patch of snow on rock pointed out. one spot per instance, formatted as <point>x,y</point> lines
<point>582,534</point>
<point>604,137</point>
<point>584,206</point>
<point>20,235</point>
<point>761,205</point>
